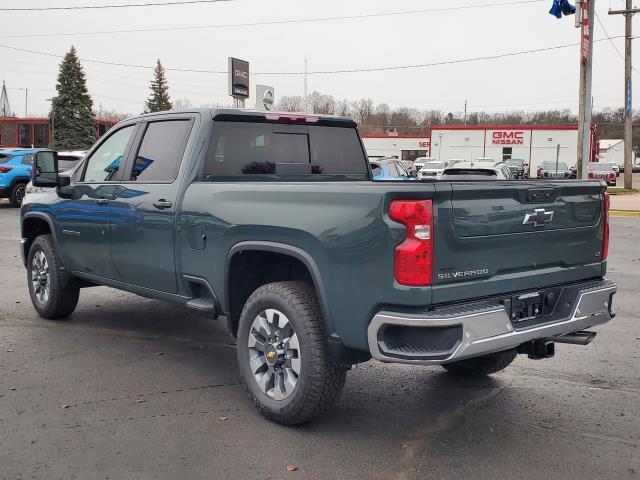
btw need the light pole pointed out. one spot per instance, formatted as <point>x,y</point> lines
<point>52,120</point>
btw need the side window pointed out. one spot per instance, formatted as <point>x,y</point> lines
<point>104,163</point>
<point>161,150</point>
<point>27,159</point>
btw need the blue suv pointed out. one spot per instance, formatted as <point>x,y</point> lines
<point>15,173</point>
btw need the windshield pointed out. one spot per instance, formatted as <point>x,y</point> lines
<point>515,161</point>
<point>552,166</point>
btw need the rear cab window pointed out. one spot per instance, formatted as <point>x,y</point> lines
<point>277,151</point>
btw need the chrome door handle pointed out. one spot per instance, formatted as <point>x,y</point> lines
<point>162,204</point>
<point>102,201</point>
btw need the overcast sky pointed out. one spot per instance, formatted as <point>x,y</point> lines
<point>530,82</point>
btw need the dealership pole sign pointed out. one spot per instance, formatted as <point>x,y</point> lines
<point>238,79</point>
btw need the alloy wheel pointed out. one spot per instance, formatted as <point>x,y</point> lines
<point>274,354</point>
<point>40,277</point>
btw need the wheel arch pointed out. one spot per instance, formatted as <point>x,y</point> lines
<point>282,251</point>
<point>32,225</point>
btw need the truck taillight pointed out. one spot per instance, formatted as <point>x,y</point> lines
<point>591,175</point>
<point>612,177</point>
<point>414,256</point>
<point>539,173</point>
<point>5,169</point>
<point>605,231</point>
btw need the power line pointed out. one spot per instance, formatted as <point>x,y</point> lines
<point>615,47</point>
<point>322,72</point>
<point>278,22</point>
<point>99,7</point>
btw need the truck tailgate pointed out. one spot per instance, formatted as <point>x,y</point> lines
<point>499,237</point>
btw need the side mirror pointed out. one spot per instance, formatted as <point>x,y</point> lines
<point>44,172</point>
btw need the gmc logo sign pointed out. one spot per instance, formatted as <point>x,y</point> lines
<point>508,138</point>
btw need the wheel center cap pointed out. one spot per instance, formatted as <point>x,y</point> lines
<point>271,354</point>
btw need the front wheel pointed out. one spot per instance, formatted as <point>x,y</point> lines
<point>282,354</point>
<point>481,366</point>
<point>52,295</point>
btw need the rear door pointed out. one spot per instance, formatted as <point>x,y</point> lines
<point>497,237</point>
<point>143,213</point>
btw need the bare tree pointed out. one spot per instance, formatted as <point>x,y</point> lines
<point>182,104</point>
<point>323,104</point>
<point>291,104</point>
<point>363,110</point>
<point>343,108</point>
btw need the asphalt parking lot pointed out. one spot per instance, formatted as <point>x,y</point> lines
<point>130,388</point>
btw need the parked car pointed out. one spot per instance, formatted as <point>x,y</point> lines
<point>272,221</point>
<point>419,162</point>
<point>477,171</point>
<point>431,169</point>
<point>69,159</point>
<point>602,171</point>
<point>519,167</point>
<point>15,172</point>
<point>389,169</point>
<point>616,168</point>
<point>554,170</point>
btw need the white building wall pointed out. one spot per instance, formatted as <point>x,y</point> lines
<point>533,144</point>
<point>394,146</point>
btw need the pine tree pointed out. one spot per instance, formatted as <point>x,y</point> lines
<point>72,118</point>
<point>159,99</point>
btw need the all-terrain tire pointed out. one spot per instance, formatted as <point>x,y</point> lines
<point>17,193</point>
<point>320,381</point>
<point>481,366</point>
<point>62,295</point>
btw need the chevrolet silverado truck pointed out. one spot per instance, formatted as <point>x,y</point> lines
<point>273,222</point>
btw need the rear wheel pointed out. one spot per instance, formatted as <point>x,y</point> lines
<point>282,354</point>
<point>481,366</point>
<point>52,294</point>
<point>17,194</point>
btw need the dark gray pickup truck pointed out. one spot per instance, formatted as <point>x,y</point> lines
<point>273,221</point>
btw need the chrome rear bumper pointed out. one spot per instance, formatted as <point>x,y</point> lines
<point>478,329</point>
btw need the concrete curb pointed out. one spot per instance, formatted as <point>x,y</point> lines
<point>624,213</point>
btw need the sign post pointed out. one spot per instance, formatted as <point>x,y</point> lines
<point>238,81</point>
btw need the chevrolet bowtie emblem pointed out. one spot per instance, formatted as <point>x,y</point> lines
<point>538,218</point>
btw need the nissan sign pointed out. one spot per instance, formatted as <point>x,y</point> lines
<point>238,78</point>
<point>265,97</point>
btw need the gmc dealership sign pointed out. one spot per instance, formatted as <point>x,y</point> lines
<point>508,138</point>
<point>238,78</point>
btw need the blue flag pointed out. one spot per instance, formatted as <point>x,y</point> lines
<point>562,7</point>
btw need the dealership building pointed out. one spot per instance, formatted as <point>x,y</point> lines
<point>401,147</point>
<point>533,144</point>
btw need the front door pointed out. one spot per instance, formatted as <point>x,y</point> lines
<point>143,214</point>
<point>83,214</point>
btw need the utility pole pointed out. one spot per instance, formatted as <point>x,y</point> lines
<point>628,12</point>
<point>305,84</point>
<point>585,15</point>
<point>465,112</point>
